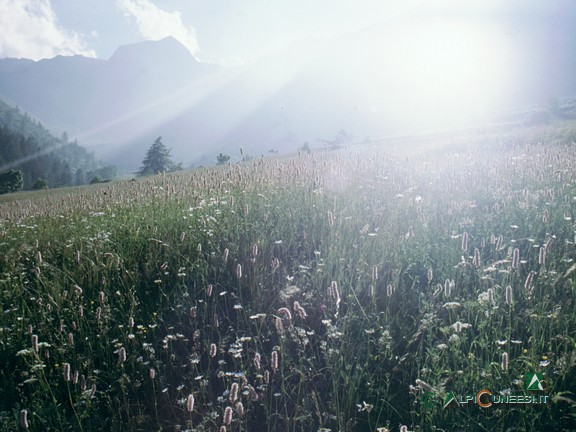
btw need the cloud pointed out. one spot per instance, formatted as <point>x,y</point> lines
<point>30,29</point>
<point>154,23</point>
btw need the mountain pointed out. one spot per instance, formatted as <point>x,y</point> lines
<point>82,95</point>
<point>388,78</point>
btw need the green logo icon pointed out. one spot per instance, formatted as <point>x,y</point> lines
<point>534,381</point>
<point>448,398</point>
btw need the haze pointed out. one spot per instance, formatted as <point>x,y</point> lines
<point>277,75</point>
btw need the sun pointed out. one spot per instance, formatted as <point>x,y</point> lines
<point>442,70</point>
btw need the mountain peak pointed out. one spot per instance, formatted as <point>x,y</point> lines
<point>168,49</point>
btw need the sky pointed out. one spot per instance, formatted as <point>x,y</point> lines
<point>218,31</point>
<point>225,31</point>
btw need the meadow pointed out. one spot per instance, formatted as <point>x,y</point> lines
<point>355,290</point>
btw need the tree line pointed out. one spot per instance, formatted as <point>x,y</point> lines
<point>42,159</point>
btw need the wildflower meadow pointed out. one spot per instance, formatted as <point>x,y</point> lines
<point>366,289</point>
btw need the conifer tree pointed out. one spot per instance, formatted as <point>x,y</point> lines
<point>157,159</point>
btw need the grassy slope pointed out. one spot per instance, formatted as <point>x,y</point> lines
<point>194,277</point>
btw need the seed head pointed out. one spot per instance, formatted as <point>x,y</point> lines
<point>285,312</point>
<point>515,258</point>
<point>424,385</point>
<point>542,256</point>
<point>548,244</point>
<point>213,350</point>
<point>279,326</point>
<point>24,419</point>
<point>233,397</point>
<point>299,310</point>
<point>447,288</point>
<point>509,295</point>
<point>274,362</point>
<point>457,326</point>
<point>257,361</point>
<point>227,416</point>
<point>528,282</point>
<point>464,245</point>
<point>122,355</point>
<point>66,372</point>
<point>476,259</point>
<point>190,403</point>
<point>500,242</point>
<point>332,289</point>
<point>240,409</point>
<point>225,257</point>
<point>505,362</point>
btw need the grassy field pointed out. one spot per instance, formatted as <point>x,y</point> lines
<point>358,290</point>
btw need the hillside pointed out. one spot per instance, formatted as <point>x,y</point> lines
<point>45,161</point>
